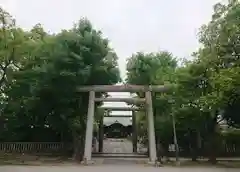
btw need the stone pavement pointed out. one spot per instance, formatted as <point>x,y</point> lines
<point>117,146</point>
<point>109,168</point>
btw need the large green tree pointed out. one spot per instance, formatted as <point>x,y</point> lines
<point>207,87</point>
<point>43,95</point>
<point>155,69</point>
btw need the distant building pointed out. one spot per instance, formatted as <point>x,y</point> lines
<point>118,129</point>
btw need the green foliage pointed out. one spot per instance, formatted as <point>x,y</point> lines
<point>207,89</point>
<point>42,96</point>
<point>11,40</point>
<point>153,68</point>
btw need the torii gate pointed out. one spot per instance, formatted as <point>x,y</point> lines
<point>121,88</point>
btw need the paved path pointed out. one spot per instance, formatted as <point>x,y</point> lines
<point>117,146</point>
<point>108,168</point>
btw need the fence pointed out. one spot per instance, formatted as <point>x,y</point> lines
<point>35,147</point>
<point>58,148</point>
<point>224,150</point>
<point>230,150</point>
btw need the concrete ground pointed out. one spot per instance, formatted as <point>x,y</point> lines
<point>110,168</point>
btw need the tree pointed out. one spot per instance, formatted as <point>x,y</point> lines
<point>215,69</point>
<point>206,86</point>
<point>44,92</point>
<point>155,69</point>
<point>221,54</point>
<point>11,39</point>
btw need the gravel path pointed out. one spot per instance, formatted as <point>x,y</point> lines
<point>108,168</point>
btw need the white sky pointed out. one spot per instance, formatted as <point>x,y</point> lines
<point>130,25</point>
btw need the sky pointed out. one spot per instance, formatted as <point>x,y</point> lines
<point>130,25</point>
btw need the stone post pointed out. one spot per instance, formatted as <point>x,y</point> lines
<point>151,129</point>
<point>89,130</point>
<point>101,135</point>
<point>134,132</point>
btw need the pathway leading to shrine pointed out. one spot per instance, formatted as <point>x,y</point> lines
<point>117,146</point>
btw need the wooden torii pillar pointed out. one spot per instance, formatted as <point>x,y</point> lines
<point>120,88</point>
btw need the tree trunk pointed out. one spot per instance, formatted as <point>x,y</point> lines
<point>199,144</point>
<point>78,148</point>
<point>213,141</point>
<point>212,151</point>
<point>166,152</point>
<point>194,146</point>
<point>194,154</point>
<point>159,150</point>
